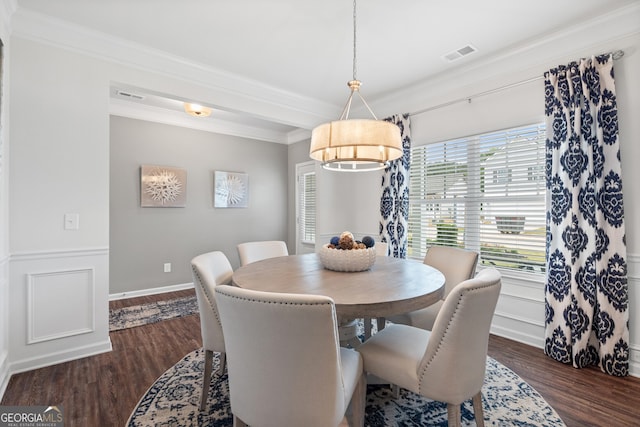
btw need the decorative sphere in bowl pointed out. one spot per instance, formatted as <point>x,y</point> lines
<point>347,260</point>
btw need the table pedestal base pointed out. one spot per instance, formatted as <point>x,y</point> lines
<point>348,333</point>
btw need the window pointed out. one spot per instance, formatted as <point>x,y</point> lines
<point>485,193</point>
<point>307,207</point>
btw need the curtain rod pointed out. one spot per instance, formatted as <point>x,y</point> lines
<point>615,55</point>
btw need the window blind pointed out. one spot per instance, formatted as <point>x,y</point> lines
<point>485,193</point>
<point>307,207</point>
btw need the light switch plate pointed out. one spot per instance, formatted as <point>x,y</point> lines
<point>71,221</point>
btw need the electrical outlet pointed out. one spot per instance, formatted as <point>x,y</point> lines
<point>167,267</point>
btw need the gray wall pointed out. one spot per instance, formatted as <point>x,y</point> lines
<point>143,239</point>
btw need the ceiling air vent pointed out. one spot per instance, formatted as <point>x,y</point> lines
<point>128,95</point>
<point>459,53</point>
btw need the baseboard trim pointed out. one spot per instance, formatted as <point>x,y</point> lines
<point>150,291</point>
<point>60,357</point>
<point>514,335</point>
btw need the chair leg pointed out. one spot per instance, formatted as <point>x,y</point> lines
<point>358,402</point>
<point>222,365</point>
<point>454,415</point>
<point>206,378</point>
<point>477,409</point>
<point>395,390</point>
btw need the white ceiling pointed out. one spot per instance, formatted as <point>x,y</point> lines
<point>305,48</point>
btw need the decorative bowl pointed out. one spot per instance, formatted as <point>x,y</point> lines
<point>347,260</point>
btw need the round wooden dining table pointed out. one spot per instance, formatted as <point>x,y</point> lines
<point>391,286</point>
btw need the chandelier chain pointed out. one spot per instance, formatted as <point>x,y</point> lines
<point>355,68</point>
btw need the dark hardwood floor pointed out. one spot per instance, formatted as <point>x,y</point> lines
<point>102,390</point>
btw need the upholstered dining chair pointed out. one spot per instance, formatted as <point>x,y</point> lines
<point>255,251</point>
<point>447,364</point>
<point>286,366</point>
<point>210,270</point>
<point>382,248</point>
<point>457,265</point>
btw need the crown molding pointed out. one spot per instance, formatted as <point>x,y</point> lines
<point>7,9</point>
<point>231,91</point>
<point>298,135</point>
<point>176,118</point>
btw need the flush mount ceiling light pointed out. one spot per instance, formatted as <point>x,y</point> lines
<point>197,110</point>
<point>355,145</point>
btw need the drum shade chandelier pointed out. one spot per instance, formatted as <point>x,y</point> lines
<point>355,145</point>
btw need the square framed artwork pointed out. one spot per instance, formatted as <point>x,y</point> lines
<point>163,187</point>
<point>231,190</point>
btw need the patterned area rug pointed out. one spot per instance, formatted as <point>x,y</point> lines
<point>507,400</point>
<point>138,315</point>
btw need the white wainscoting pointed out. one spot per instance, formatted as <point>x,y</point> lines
<point>519,313</point>
<point>5,373</point>
<point>59,307</point>
<point>4,325</point>
<point>47,294</point>
<point>633,271</point>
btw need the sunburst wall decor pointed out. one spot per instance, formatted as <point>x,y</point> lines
<point>231,190</point>
<point>163,186</point>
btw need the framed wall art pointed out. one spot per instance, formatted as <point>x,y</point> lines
<point>231,190</point>
<point>163,187</point>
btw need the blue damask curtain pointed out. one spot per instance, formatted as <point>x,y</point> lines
<point>394,199</point>
<point>586,293</point>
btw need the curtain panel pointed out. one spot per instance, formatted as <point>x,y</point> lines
<point>586,292</point>
<point>394,199</point>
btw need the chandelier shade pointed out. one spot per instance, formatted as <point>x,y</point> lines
<point>356,144</point>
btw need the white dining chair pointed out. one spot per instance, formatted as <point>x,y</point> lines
<point>255,251</point>
<point>447,364</point>
<point>457,265</point>
<point>382,248</point>
<point>286,366</point>
<point>210,270</point>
